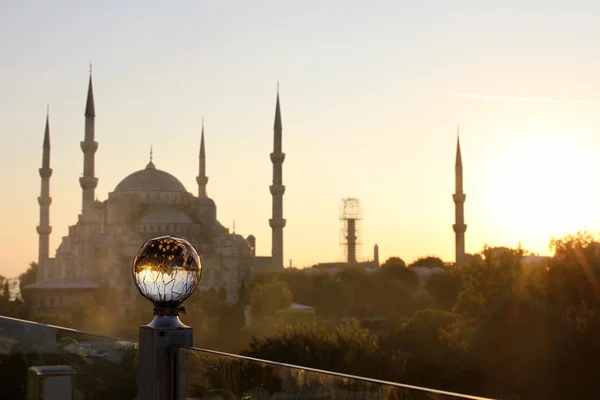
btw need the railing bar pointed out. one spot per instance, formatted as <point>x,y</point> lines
<point>62,328</point>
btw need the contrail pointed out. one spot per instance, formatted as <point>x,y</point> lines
<point>524,99</point>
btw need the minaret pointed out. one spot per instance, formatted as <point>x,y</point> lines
<point>277,222</point>
<point>459,206</point>
<point>88,181</point>
<point>44,229</point>
<point>202,179</point>
<point>376,255</point>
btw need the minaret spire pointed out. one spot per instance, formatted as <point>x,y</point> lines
<point>458,163</point>
<point>202,179</point>
<point>277,222</point>
<point>150,164</point>
<point>89,104</point>
<point>88,181</point>
<point>44,200</point>
<point>459,205</point>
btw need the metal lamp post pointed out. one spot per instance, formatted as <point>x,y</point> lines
<point>166,270</point>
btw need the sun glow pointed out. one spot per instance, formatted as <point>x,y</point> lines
<point>542,188</point>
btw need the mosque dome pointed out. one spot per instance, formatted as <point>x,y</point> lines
<point>150,179</point>
<point>165,216</point>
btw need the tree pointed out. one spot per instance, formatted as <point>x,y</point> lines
<point>444,288</point>
<point>485,285</point>
<point>393,262</point>
<point>273,325</point>
<point>347,348</point>
<point>270,297</point>
<point>571,283</point>
<point>331,298</point>
<point>429,261</point>
<point>395,269</point>
<point>28,278</point>
<point>422,333</point>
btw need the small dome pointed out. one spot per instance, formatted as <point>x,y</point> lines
<point>151,179</point>
<point>240,243</point>
<point>168,216</point>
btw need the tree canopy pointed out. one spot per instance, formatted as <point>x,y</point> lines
<point>268,298</point>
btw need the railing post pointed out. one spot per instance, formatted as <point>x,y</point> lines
<point>163,373</point>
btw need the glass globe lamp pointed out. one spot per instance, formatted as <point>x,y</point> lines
<point>166,271</point>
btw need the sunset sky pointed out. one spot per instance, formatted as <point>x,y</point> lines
<point>371,94</point>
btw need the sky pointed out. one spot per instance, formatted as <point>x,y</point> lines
<point>371,96</point>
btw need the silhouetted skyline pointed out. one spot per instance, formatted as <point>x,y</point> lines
<point>370,97</point>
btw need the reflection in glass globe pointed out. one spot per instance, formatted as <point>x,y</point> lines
<point>166,270</point>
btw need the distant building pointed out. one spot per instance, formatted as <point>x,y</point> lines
<point>101,245</point>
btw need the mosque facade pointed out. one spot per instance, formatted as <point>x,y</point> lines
<point>100,246</point>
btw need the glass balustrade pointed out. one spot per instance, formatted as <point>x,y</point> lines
<point>105,367</point>
<point>220,376</point>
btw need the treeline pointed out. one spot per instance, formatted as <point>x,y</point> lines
<point>493,327</point>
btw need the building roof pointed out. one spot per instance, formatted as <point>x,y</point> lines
<point>166,216</point>
<point>150,179</point>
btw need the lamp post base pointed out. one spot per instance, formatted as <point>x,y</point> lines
<point>162,373</point>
